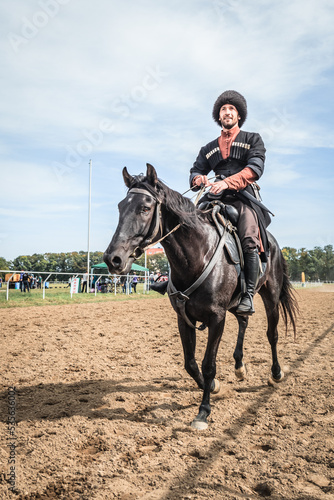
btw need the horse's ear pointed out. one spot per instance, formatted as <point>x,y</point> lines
<point>151,175</point>
<point>128,179</point>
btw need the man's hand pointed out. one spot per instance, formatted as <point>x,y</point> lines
<point>218,187</point>
<point>201,179</point>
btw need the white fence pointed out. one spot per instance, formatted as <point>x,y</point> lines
<point>301,284</point>
<point>113,285</point>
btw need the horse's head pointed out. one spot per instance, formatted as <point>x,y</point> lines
<point>138,225</point>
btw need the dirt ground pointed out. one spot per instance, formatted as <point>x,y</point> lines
<point>103,405</point>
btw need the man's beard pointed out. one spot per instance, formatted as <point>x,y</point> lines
<point>228,125</point>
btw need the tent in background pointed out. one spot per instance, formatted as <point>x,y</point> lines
<point>134,267</point>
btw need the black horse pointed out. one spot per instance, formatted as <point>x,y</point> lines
<point>152,211</point>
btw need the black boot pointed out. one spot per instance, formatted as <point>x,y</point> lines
<point>246,306</point>
<point>160,287</point>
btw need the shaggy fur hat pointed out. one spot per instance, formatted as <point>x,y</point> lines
<point>234,98</point>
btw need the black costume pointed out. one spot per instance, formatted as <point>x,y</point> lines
<point>246,151</point>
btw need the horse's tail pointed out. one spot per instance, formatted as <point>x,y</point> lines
<point>288,301</point>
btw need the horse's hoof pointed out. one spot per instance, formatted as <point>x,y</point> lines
<point>215,388</point>
<point>199,425</point>
<point>241,372</point>
<point>275,380</point>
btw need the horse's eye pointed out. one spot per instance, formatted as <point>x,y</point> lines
<point>146,209</point>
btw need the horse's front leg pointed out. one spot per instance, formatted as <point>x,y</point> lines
<point>209,372</point>
<point>188,339</point>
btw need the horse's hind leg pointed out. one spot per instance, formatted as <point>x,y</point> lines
<point>240,369</point>
<point>188,338</point>
<point>272,311</point>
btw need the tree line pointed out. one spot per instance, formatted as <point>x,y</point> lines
<point>73,262</point>
<point>317,264</point>
<point>69,262</point>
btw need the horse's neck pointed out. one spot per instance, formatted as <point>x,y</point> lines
<point>188,249</point>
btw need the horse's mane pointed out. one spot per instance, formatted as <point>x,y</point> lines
<point>174,202</point>
<point>179,206</point>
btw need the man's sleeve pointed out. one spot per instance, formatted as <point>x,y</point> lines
<point>256,155</point>
<point>200,167</point>
<point>241,180</point>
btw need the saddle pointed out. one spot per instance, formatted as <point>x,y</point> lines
<point>225,216</point>
<point>227,213</point>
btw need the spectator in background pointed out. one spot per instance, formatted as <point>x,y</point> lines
<point>134,282</point>
<point>25,281</point>
<point>21,280</point>
<point>123,283</point>
<point>31,281</point>
<point>84,283</point>
<point>95,278</point>
<point>39,282</point>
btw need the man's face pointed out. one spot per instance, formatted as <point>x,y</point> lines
<point>228,116</point>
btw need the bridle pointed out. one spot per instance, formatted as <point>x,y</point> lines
<point>156,223</point>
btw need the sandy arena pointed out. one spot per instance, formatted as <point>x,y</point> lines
<point>103,406</point>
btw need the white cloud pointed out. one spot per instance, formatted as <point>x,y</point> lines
<point>280,175</point>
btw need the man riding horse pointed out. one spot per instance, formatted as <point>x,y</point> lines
<point>237,159</point>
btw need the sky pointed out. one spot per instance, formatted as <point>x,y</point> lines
<point>129,83</point>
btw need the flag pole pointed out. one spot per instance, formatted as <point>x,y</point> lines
<point>89,208</point>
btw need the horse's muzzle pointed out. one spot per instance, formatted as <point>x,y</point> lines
<point>114,262</point>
